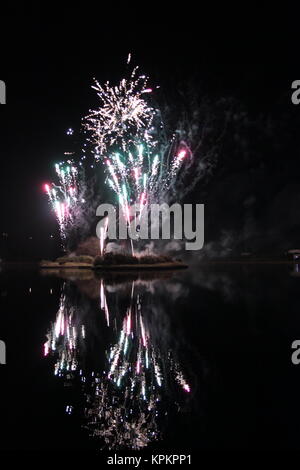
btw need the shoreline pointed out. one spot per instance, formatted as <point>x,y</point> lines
<point>163,265</point>
<point>115,267</point>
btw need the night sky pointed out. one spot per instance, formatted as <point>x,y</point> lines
<point>48,61</point>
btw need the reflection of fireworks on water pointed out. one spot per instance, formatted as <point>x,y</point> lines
<point>125,404</point>
<point>103,302</point>
<point>126,401</point>
<point>133,356</point>
<point>63,338</point>
<point>120,419</point>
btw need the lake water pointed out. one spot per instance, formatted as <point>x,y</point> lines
<point>157,362</point>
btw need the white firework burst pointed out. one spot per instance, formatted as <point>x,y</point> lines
<point>124,117</point>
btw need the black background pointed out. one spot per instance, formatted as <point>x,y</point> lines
<point>49,58</point>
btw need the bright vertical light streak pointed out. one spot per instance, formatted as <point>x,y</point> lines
<point>103,302</point>
<point>128,324</point>
<point>46,349</point>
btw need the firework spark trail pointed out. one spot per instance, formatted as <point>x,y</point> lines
<point>66,196</point>
<point>103,231</point>
<point>144,162</point>
<point>125,130</point>
<point>144,172</point>
<point>123,117</point>
<point>141,179</point>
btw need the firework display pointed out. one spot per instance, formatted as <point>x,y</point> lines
<point>66,195</point>
<point>126,134</point>
<point>124,117</point>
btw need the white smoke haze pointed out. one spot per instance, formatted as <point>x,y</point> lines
<point>174,245</point>
<point>113,247</point>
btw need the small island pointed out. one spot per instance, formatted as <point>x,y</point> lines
<point>114,261</point>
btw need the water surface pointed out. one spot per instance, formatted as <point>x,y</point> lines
<point>180,361</point>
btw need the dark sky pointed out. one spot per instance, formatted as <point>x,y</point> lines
<point>48,60</point>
